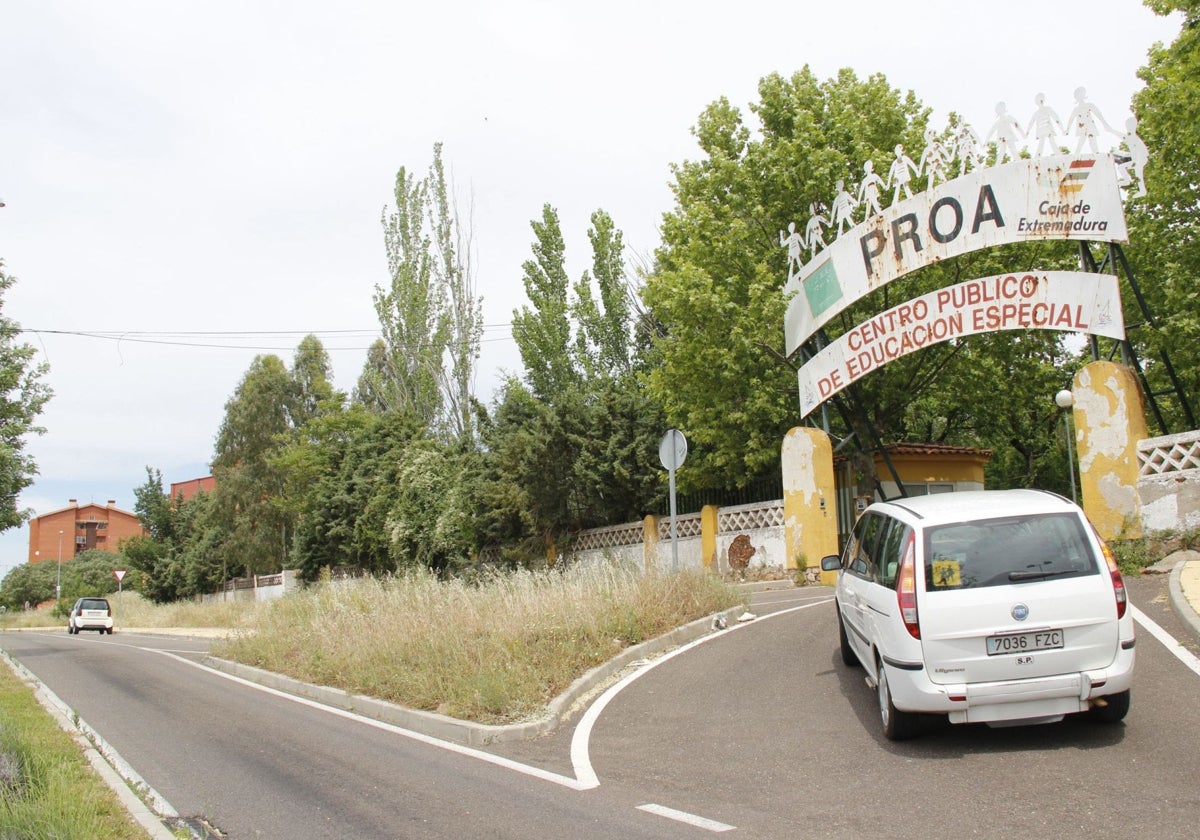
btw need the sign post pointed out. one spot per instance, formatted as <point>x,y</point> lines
<point>119,574</point>
<point>672,451</point>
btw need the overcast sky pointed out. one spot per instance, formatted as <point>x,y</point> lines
<point>176,170</point>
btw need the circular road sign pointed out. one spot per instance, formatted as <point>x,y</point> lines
<point>673,449</point>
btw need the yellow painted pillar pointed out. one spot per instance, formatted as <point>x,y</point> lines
<point>809,501</point>
<point>708,538</point>
<point>650,543</point>
<point>1110,419</point>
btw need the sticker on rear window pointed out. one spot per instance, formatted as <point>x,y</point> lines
<point>947,573</point>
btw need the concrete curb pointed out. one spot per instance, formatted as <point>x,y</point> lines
<point>468,732</point>
<point>1179,602</point>
<point>109,766</point>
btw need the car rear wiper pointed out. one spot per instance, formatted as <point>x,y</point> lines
<point>1038,575</point>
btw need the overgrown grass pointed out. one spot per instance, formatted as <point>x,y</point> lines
<point>47,788</point>
<point>493,651</point>
<point>132,610</point>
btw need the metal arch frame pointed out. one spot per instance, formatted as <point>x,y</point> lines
<point>1114,261</point>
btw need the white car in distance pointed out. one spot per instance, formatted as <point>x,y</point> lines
<point>90,614</point>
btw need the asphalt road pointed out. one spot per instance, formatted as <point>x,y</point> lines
<point>760,732</point>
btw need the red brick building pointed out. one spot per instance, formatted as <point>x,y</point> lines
<point>191,487</point>
<point>65,533</point>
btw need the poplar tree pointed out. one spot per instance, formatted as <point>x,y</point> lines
<point>429,313</point>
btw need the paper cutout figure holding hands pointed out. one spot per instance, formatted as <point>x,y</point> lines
<point>793,242</point>
<point>1138,155</point>
<point>933,158</point>
<point>1043,122</point>
<point>868,190</point>
<point>900,173</point>
<point>1084,118</point>
<point>966,145</point>
<point>1006,130</point>
<point>813,231</point>
<point>843,208</point>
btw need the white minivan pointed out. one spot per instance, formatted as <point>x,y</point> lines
<point>999,607</point>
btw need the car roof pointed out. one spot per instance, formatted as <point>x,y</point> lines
<point>978,504</point>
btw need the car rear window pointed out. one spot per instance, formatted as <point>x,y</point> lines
<point>1010,550</point>
<point>93,604</point>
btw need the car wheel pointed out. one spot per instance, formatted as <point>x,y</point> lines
<point>108,631</point>
<point>849,657</point>
<point>897,725</point>
<point>1115,710</point>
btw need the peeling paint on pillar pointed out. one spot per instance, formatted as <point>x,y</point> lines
<point>709,523</point>
<point>809,527</point>
<point>1109,419</point>
<point>650,544</point>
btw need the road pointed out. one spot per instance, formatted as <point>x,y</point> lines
<point>760,732</point>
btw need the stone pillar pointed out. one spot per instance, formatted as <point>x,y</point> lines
<point>708,538</point>
<point>1110,419</point>
<point>650,544</point>
<point>809,502</point>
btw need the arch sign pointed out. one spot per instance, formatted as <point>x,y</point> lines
<point>1043,197</point>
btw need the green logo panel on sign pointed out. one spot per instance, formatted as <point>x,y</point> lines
<point>822,288</point>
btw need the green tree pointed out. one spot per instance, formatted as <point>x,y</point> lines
<point>431,522</point>
<point>154,507</point>
<point>349,462</point>
<point>371,389</point>
<point>1165,223</point>
<point>88,574</point>
<point>410,309</point>
<point>28,583</point>
<point>429,314</point>
<point>463,313</point>
<point>255,426</point>
<point>569,447</point>
<point>312,390</point>
<point>23,394</point>
<point>603,346</point>
<point>716,292</point>
<point>542,330</point>
<point>716,286</point>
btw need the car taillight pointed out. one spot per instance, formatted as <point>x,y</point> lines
<point>906,589</point>
<point>1114,572</point>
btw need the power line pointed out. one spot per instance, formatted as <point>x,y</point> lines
<point>222,338</point>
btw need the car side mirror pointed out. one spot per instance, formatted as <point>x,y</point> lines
<point>832,563</point>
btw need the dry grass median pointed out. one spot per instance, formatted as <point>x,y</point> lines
<point>495,650</point>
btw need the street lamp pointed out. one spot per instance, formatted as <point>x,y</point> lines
<point>58,578</point>
<point>1065,400</point>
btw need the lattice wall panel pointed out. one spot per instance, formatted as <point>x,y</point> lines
<point>617,536</point>
<point>750,518</point>
<point>687,525</point>
<point>1170,456</point>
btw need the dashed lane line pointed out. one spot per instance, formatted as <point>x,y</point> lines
<point>685,817</point>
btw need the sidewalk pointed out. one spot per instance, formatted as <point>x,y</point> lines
<point>1185,589</point>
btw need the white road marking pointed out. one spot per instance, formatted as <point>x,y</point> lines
<point>585,775</point>
<point>450,746</point>
<point>580,758</point>
<point>685,817</point>
<point>1169,642</point>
